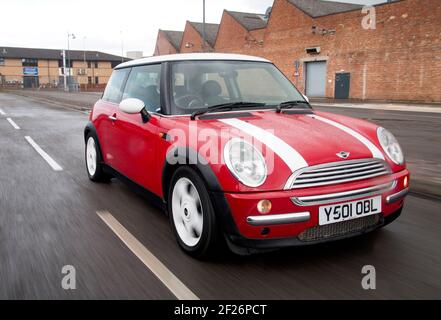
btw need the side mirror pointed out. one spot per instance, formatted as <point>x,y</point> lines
<point>134,106</point>
<point>131,106</point>
<point>306,98</point>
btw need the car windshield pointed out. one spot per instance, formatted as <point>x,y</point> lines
<point>198,85</point>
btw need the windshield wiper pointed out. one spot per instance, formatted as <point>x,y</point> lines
<point>225,106</point>
<point>290,105</point>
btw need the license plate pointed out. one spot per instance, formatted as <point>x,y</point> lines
<point>349,210</point>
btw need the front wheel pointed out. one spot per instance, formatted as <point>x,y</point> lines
<point>94,165</point>
<point>192,215</point>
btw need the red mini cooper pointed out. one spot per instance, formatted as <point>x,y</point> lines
<point>235,154</point>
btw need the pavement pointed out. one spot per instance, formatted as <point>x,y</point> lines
<point>48,220</point>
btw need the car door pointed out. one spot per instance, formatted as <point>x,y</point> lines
<point>135,140</point>
<point>107,109</point>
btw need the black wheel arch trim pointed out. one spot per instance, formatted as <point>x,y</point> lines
<point>187,156</point>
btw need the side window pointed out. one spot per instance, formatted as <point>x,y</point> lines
<point>144,84</point>
<point>113,92</point>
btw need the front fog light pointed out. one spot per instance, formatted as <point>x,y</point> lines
<point>406,182</point>
<point>264,206</point>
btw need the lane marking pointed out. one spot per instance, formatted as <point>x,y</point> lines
<point>55,166</point>
<point>175,285</point>
<point>13,124</point>
<point>2,112</point>
<point>288,154</point>
<point>376,153</point>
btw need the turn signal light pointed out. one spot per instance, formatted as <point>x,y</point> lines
<point>264,206</point>
<point>406,182</point>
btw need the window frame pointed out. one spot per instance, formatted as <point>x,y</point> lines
<point>161,75</point>
<point>123,86</point>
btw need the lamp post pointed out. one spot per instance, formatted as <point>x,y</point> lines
<point>85,63</point>
<point>203,26</point>
<point>69,36</point>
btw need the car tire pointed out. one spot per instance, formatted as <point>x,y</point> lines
<point>94,162</point>
<point>192,215</point>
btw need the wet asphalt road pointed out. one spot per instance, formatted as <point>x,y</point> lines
<point>48,220</point>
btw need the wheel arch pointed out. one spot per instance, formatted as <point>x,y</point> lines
<point>185,156</point>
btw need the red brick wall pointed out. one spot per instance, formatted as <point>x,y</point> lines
<point>192,36</point>
<point>399,60</point>
<point>163,45</point>
<point>234,37</point>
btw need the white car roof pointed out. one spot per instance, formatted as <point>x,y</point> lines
<point>191,56</point>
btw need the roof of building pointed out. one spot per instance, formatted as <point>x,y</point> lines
<point>191,57</point>
<point>211,30</point>
<point>250,21</point>
<point>319,8</point>
<point>175,38</point>
<point>53,54</point>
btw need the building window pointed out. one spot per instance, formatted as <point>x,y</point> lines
<point>89,65</point>
<point>29,62</point>
<point>60,63</point>
<point>115,63</point>
<point>97,80</point>
<point>89,80</point>
<point>2,61</point>
<point>96,64</point>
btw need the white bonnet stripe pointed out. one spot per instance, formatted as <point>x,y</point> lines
<point>287,153</point>
<point>376,153</point>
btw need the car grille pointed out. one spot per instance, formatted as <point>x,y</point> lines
<point>339,229</point>
<point>338,172</point>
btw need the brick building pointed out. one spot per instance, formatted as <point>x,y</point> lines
<point>326,52</point>
<point>168,42</point>
<point>192,37</point>
<point>32,68</point>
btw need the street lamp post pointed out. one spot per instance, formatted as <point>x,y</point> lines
<point>85,62</point>
<point>69,36</point>
<point>203,26</point>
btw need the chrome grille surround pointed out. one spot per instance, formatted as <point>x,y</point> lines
<point>340,229</point>
<point>337,172</point>
<point>343,196</point>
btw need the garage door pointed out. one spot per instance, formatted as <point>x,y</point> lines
<point>316,79</point>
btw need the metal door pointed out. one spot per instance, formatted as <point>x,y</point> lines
<point>342,85</point>
<point>316,79</point>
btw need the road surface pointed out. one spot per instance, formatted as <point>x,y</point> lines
<point>48,220</point>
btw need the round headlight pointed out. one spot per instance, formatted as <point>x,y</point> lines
<point>390,146</point>
<point>245,162</point>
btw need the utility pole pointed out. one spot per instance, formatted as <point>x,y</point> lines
<point>64,70</point>
<point>122,47</point>
<point>203,26</point>
<point>85,63</point>
<point>69,35</point>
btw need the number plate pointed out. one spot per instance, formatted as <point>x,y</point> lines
<point>349,211</point>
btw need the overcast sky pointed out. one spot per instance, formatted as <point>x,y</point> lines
<point>45,23</point>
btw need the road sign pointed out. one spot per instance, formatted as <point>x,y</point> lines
<point>30,71</point>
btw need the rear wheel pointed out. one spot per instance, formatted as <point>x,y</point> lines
<point>94,160</point>
<point>192,215</point>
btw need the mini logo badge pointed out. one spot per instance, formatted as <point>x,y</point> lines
<point>343,154</point>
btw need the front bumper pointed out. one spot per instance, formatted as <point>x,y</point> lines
<point>290,218</point>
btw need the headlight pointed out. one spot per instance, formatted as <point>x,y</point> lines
<point>390,146</point>
<point>245,162</point>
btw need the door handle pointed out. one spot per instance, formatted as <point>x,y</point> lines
<point>113,118</point>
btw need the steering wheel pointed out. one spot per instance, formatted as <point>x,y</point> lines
<point>189,100</point>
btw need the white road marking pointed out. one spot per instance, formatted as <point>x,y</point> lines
<point>150,261</point>
<point>376,153</point>
<point>55,166</point>
<point>288,154</point>
<point>13,124</point>
<point>2,112</point>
